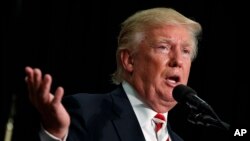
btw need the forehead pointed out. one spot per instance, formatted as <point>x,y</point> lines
<point>170,33</point>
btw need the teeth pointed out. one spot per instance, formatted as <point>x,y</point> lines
<point>171,81</point>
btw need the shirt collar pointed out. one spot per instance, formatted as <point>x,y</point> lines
<point>143,112</point>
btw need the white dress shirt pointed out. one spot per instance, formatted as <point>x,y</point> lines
<point>145,115</point>
<point>142,111</point>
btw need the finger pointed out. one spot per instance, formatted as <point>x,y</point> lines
<point>28,69</point>
<point>28,87</point>
<point>30,78</point>
<point>45,88</point>
<point>58,95</point>
<point>37,78</point>
<point>30,73</point>
<point>29,81</point>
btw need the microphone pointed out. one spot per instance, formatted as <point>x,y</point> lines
<point>185,94</point>
<point>201,115</point>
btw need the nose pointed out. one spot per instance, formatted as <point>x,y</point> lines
<point>175,58</point>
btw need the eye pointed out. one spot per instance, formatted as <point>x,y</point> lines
<point>163,48</point>
<point>186,51</point>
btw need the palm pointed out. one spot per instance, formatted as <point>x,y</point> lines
<point>55,118</point>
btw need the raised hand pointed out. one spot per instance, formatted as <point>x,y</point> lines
<point>55,118</point>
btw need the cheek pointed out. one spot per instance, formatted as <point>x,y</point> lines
<point>156,65</point>
<point>148,67</point>
<point>146,61</point>
<point>187,70</point>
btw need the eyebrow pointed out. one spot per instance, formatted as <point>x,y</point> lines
<point>169,40</point>
<point>165,40</point>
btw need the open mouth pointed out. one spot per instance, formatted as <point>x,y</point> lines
<point>173,80</point>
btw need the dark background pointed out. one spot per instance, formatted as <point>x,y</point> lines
<point>75,41</point>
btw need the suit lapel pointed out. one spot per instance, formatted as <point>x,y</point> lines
<point>172,134</point>
<point>126,123</point>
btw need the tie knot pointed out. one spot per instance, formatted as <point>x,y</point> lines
<point>159,119</point>
<point>160,116</point>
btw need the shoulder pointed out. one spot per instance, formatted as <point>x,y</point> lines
<point>91,102</point>
<point>85,100</point>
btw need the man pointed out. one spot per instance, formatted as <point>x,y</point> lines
<point>155,51</point>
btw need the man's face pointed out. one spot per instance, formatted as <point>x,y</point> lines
<point>162,61</point>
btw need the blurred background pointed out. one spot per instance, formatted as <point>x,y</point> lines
<point>75,41</point>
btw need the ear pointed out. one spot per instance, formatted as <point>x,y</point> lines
<point>127,60</point>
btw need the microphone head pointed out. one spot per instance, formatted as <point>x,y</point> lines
<point>182,92</point>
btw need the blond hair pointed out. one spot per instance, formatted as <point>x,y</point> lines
<point>132,31</point>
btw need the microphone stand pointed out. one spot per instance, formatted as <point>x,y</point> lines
<point>206,118</point>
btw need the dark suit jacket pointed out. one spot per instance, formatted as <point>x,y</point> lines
<point>104,117</point>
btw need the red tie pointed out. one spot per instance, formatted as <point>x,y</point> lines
<point>159,120</point>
